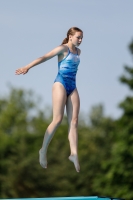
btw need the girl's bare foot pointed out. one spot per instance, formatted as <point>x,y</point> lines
<point>74,159</point>
<point>42,159</point>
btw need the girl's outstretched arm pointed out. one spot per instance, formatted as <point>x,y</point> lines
<point>58,50</point>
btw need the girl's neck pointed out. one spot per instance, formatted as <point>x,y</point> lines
<point>71,46</point>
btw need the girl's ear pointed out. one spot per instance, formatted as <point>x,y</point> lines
<point>70,37</point>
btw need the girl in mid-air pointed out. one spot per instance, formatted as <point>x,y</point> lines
<point>64,92</point>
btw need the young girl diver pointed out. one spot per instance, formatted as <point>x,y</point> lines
<point>64,92</point>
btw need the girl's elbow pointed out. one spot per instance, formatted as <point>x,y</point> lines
<point>42,59</point>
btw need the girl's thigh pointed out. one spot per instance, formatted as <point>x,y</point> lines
<point>58,99</point>
<point>73,106</point>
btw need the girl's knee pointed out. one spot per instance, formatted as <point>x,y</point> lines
<point>74,122</point>
<point>57,121</point>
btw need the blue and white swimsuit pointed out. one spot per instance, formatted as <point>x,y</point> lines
<point>67,70</point>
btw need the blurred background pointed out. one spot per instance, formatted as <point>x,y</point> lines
<point>29,29</point>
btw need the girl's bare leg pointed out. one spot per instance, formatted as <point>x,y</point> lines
<point>72,107</point>
<point>59,101</point>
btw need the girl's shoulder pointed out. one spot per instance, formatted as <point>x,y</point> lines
<point>63,47</point>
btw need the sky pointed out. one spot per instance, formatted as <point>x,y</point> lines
<point>31,28</point>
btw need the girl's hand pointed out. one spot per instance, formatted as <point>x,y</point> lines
<point>22,70</point>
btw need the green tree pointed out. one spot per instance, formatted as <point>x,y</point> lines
<point>119,169</point>
<point>18,142</point>
<point>100,140</point>
<point>21,138</point>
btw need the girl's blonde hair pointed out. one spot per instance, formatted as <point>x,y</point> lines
<point>71,31</point>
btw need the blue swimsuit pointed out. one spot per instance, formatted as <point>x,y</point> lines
<point>67,69</point>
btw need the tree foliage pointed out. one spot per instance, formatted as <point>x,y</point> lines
<point>21,138</point>
<point>118,171</point>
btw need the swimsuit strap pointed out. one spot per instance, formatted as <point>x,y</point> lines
<point>69,50</point>
<point>77,51</point>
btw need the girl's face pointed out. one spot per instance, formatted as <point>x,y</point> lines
<point>76,39</point>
